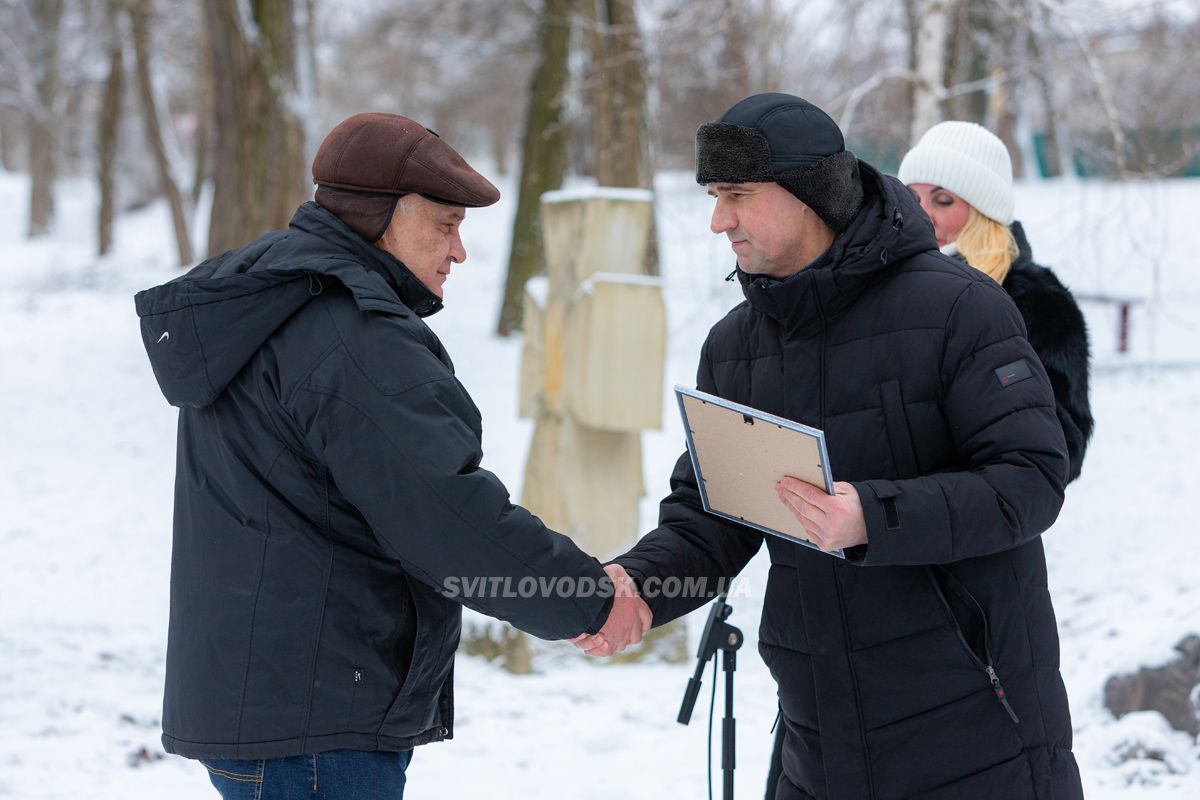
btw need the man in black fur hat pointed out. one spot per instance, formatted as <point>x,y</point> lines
<point>924,663</point>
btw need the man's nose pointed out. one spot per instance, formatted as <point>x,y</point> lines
<point>458,253</point>
<point>722,218</point>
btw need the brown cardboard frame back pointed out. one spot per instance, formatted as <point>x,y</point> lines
<point>739,454</point>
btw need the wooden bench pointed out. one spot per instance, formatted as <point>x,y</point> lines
<point>1123,304</point>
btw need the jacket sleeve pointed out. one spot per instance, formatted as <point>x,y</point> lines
<point>1000,410</point>
<point>408,458</point>
<point>701,552</point>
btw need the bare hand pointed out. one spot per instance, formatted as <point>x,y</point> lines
<point>833,522</point>
<point>627,622</point>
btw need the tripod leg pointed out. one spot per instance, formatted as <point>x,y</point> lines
<point>729,726</point>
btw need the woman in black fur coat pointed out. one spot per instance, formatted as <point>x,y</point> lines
<point>962,176</point>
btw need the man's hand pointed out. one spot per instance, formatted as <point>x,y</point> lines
<point>627,623</point>
<point>833,521</point>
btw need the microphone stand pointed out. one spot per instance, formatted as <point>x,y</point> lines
<point>718,635</point>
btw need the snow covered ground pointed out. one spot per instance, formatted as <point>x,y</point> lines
<point>87,462</point>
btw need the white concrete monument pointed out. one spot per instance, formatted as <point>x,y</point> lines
<point>592,366</point>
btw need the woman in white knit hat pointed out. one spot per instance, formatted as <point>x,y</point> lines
<point>962,176</point>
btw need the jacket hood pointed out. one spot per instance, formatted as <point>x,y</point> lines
<point>889,229</point>
<point>203,327</point>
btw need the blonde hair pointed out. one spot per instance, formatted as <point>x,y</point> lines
<point>987,245</point>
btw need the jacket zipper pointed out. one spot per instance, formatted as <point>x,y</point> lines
<point>999,690</point>
<point>837,578</point>
<point>988,669</point>
<point>862,727</point>
<point>821,315</point>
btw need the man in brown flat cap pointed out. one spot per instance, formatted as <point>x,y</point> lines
<point>331,513</point>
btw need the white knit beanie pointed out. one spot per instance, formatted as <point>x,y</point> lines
<point>966,159</point>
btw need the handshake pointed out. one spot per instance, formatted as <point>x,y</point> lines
<point>627,623</point>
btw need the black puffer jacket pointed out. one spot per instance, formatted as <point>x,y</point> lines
<point>936,408</point>
<point>327,485</point>
<point>1059,336</point>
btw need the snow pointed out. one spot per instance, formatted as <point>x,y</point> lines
<point>626,278</point>
<point>598,193</point>
<point>87,466</point>
<point>538,289</point>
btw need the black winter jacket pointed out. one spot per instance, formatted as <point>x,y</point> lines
<point>936,408</point>
<point>1059,336</point>
<point>327,485</point>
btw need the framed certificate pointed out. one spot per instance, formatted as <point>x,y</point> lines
<point>739,454</point>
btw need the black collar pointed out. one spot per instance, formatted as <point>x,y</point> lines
<point>318,221</point>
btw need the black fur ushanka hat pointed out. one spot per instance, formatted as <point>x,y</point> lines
<point>785,139</point>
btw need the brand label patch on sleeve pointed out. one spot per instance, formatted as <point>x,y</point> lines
<point>1015,372</point>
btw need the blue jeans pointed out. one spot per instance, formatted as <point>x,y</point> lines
<point>336,775</point>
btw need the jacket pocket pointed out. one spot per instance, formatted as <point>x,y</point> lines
<point>236,779</point>
<point>402,648</point>
<point>904,454</point>
<point>969,621</point>
<point>415,708</point>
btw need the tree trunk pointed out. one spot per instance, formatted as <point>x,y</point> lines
<point>543,156</point>
<point>110,125</point>
<point>618,67</point>
<point>201,141</point>
<point>912,19</point>
<point>599,84</point>
<point>1004,108</point>
<point>737,37</point>
<point>955,67</point>
<point>930,49</point>
<point>152,115</point>
<point>259,175</point>
<point>1051,149</point>
<point>619,106</point>
<point>47,16</point>
<point>9,140</point>
<point>982,53</point>
<point>1004,112</point>
<point>970,46</point>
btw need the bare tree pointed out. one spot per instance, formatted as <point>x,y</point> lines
<point>260,168</point>
<point>617,76</point>
<point>47,22</point>
<point>459,66</point>
<point>930,49</point>
<point>205,114</point>
<point>618,87</point>
<point>158,128</point>
<point>109,125</point>
<point>543,156</point>
<point>1072,24</point>
<point>704,57</point>
<point>1054,148</point>
<point>1159,105</point>
<point>986,60</point>
<point>1134,94</point>
<point>969,57</point>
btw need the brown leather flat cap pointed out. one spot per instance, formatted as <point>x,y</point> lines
<point>392,155</point>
